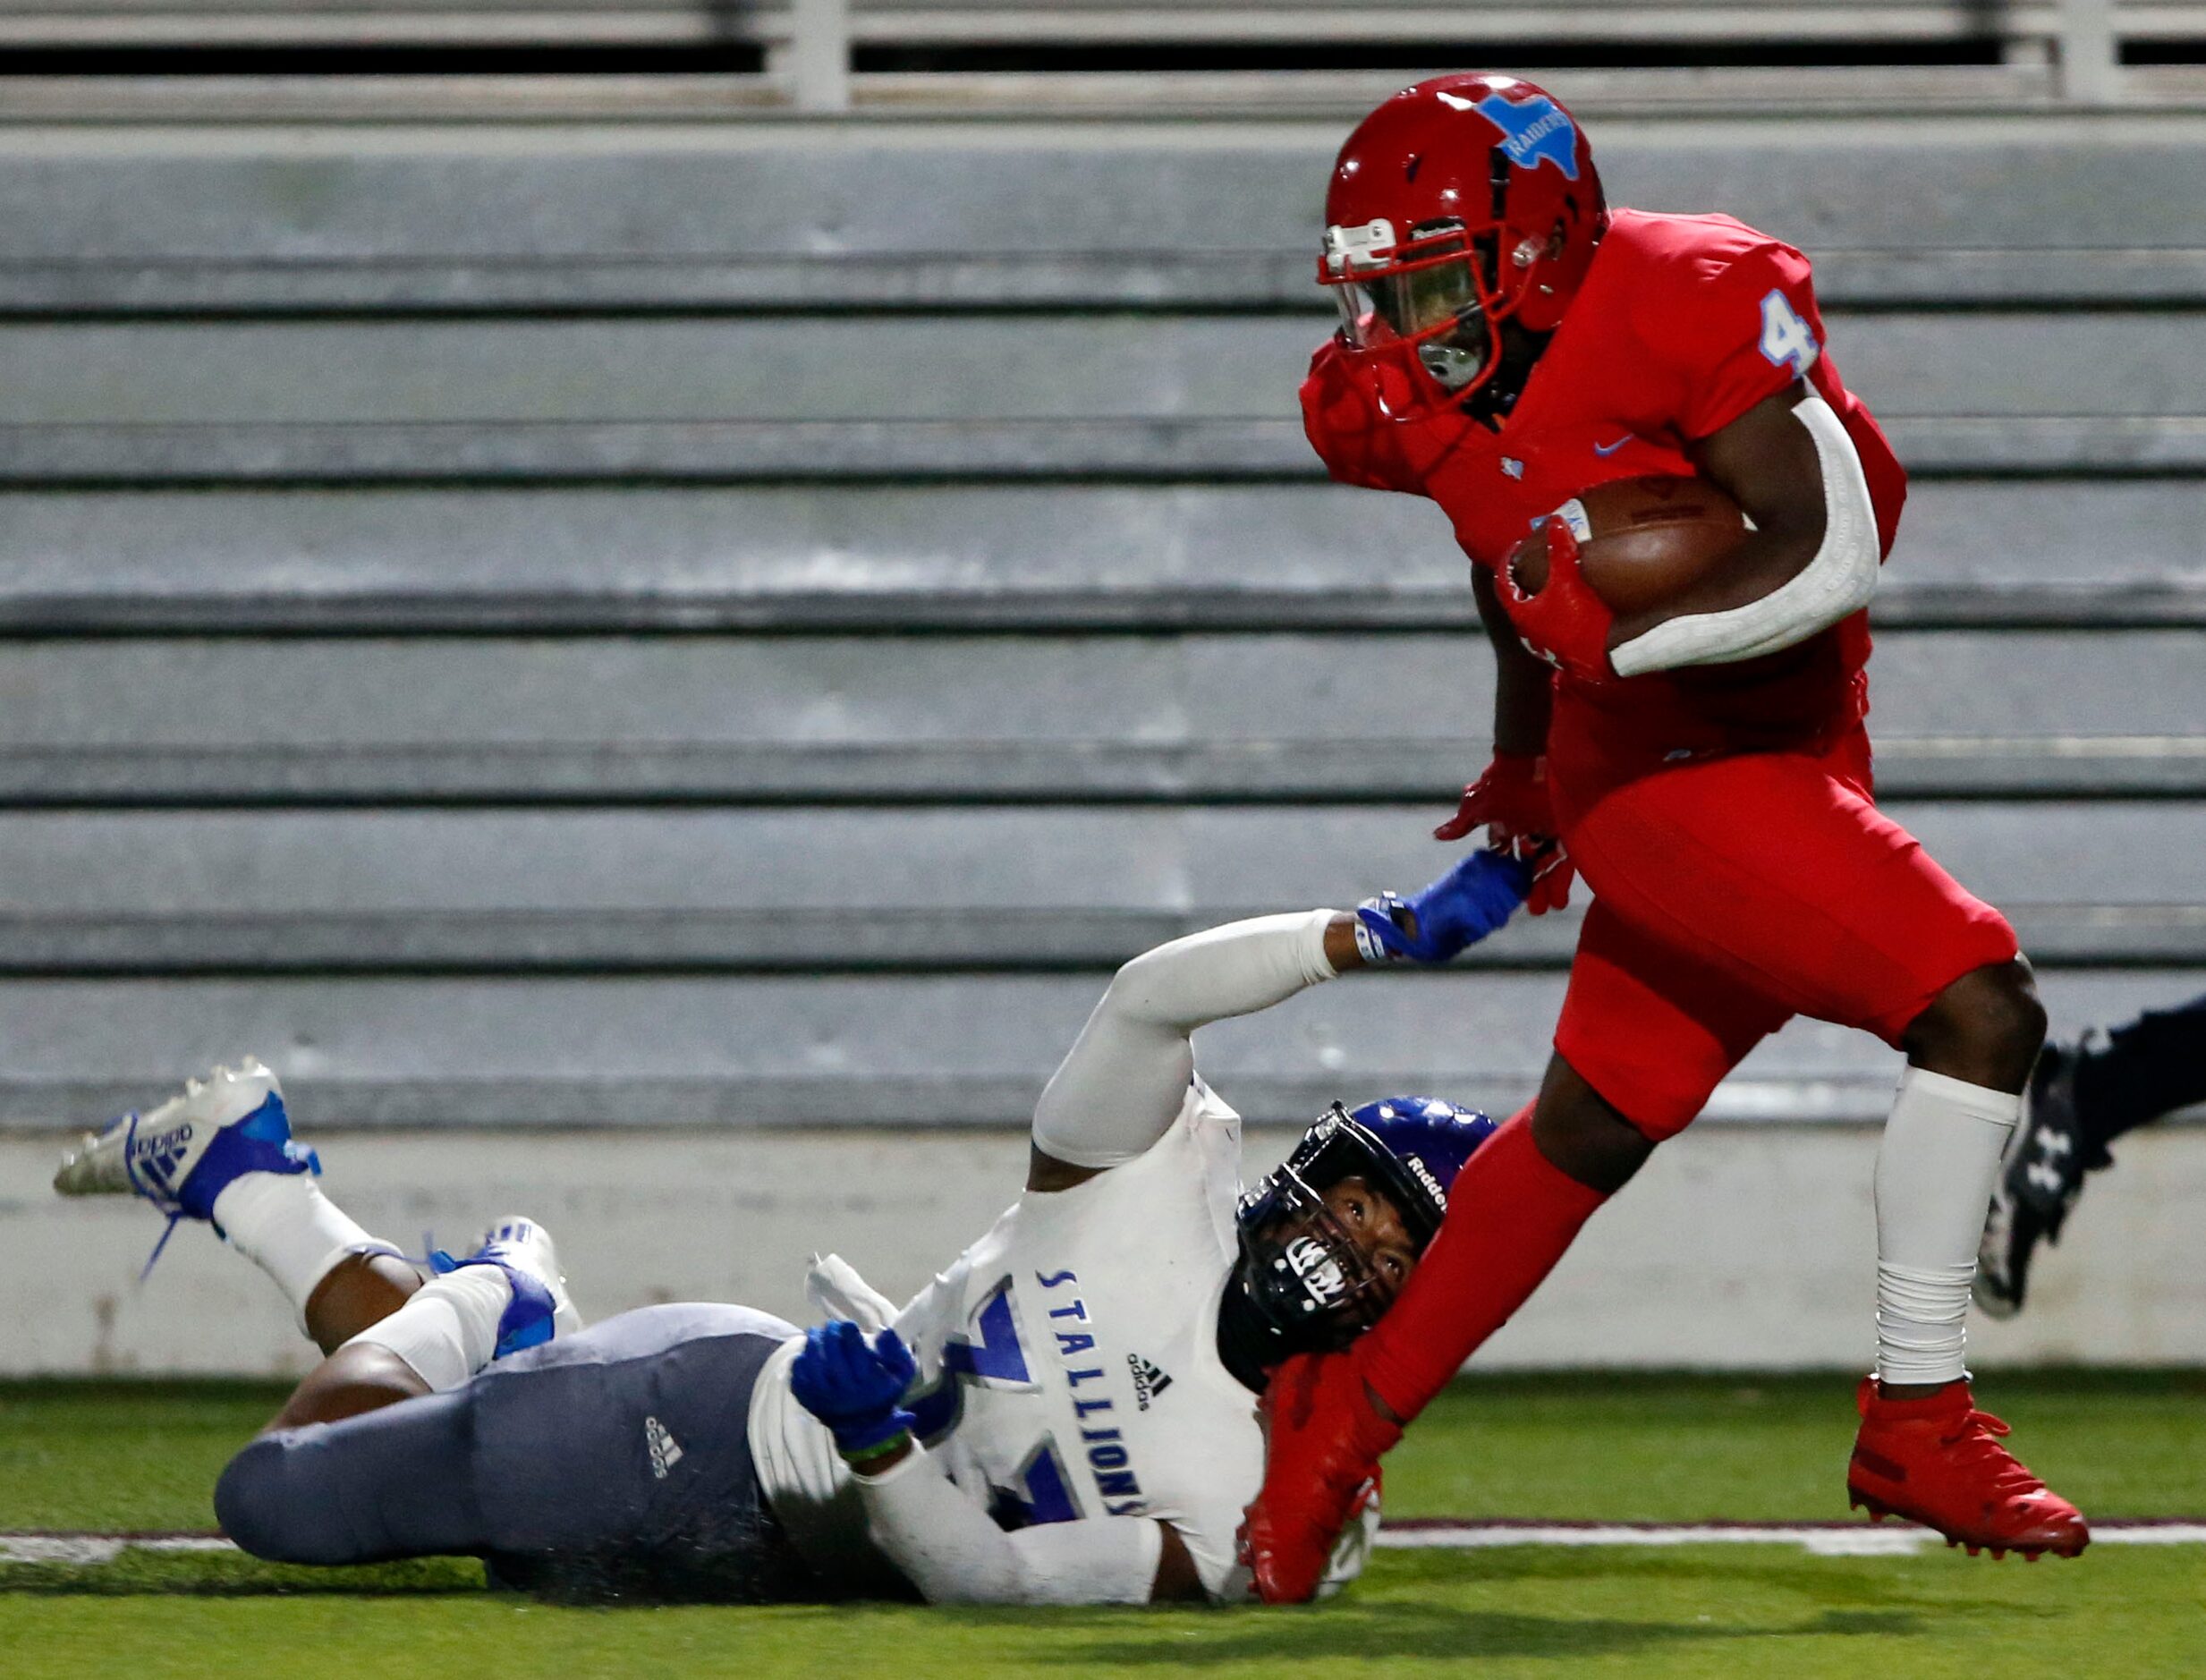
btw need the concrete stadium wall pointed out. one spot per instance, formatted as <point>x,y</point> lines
<point>1741,1247</point>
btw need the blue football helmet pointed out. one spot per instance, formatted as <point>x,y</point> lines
<point>1304,1275</point>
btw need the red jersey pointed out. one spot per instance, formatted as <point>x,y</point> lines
<point>1682,324</point>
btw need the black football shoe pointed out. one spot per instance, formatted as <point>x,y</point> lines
<point>2039,1182</point>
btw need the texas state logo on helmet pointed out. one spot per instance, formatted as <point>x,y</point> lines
<point>1462,203</point>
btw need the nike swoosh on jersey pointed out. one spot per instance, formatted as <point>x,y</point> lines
<point>1610,449</point>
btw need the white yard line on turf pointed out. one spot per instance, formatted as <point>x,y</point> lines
<point>1835,1539</point>
<point>100,1548</point>
<point>1825,1539</point>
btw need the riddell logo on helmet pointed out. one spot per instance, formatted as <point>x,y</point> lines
<point>1423,1175</point>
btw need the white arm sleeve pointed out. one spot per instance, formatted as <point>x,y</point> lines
<point>1123,1084</point>
<point>955,1554</point>
<point>1838,580</point>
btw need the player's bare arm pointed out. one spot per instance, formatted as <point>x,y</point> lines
<point>1524,684</point>
<point>1802,555</point>
<point>1766,460</point>
<point>1510,799</point>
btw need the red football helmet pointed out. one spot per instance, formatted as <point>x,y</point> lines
<point>1461,203</point>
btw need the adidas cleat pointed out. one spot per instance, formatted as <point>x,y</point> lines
<point>541,1309</point>
<point>183,1154</point>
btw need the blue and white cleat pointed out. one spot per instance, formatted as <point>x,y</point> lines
<point>541,1309</point>
<point>183,1154</point>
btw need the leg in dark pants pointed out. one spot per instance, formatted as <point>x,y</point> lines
<point>395,1482</point>
<point>2141,1070</point>
<point>615,1462</point>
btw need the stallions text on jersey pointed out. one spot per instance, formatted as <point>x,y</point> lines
<point>1068,1366</point>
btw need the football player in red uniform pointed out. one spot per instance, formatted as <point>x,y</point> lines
<point>1509,341</point>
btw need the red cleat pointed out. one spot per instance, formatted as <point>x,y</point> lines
<point>1324,1439</point>
<point>1938,1461</point>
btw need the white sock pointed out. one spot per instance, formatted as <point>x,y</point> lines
<point>448,1327</point>
<point>284,1223</point>
<point>1934,1176</point>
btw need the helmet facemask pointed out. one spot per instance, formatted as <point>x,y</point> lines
<point>1305,1275</point>
<point>1429,298</point>
<point>1434,300</point>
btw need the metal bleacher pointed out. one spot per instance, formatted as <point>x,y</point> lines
<point>891,55</point>
<point>747,624</point>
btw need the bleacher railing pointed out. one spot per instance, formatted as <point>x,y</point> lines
<point>2081,38</point>
<point>809,47</point>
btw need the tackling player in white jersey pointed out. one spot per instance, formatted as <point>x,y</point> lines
<point>1067,1415</point>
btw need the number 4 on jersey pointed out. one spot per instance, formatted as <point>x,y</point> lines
<point>1785,338</point>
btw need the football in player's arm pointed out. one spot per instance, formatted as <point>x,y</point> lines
<point>1066,1415</point>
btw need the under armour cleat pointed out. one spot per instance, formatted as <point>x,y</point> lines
<point>1324,1439</point>
<point>2039,1182</point>
<point>541,1309</point>
<point>183,1154</point>
<point>1938,1461</point>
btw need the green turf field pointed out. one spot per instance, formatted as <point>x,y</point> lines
<point>122,1456</point>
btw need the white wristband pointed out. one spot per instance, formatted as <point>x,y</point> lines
<point>1369,945</point>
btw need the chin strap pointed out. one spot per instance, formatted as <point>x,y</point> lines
<point>1249,1346</point>
<point>1519,352</point>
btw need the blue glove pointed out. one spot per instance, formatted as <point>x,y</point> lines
<point>854,1389</point>
<point>1461,908</point>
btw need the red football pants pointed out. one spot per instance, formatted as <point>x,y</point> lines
<point>1732,893</point>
